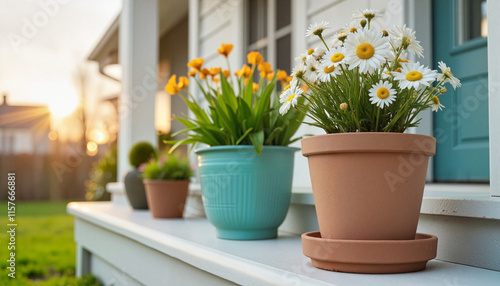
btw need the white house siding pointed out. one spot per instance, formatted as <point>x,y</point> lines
<point>214,22</point>
<point>219,22</point>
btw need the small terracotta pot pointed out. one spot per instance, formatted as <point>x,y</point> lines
<point>166,198</point>
<point>368,186</point>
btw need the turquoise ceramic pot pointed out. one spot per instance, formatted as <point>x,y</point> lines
<point>246,196</point>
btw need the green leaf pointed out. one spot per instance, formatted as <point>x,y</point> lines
<point>257,139</point>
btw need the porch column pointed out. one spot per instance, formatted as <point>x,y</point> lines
<point>138,52</point>
<point>494,95</point>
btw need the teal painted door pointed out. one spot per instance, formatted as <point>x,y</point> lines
<point>461,129</point>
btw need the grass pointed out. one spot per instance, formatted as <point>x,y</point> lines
<point>45,248</point>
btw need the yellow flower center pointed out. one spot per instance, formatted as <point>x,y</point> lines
<point>365,51</point>
<point>310,51</point>
<point>287,87</point>
<point>337,57</point>
<point>353,30</point>
<point>448,71</point>
<point>382,93</point>
<point>312,68</point>
<point>414,76</point>
<point>435,99</point>
<point>329,69</point>
<point>291,97</point>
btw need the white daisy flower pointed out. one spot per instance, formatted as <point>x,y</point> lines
<point>386,74</point>
<point>404,36</point>
<point>366,49</point>
<point>382,94</point>
<point>299,70</point>
<point>448,76</point>
<point>327,69</point>
<point>317,29</point>
<point>435,104</point>
<point>335,56</point>
<point>352,27</point>
<point>337,40</point>
<point>289,98</point>
<point>414,75</point>
<point>316,53</point>
<point>301,58</point>
<point>369,14</point>
<point>311,70</point>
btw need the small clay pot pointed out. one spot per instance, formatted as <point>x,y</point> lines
<point>368,186</point>
<point>166,198</point>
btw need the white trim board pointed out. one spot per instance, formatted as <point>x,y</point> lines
<point>241,262</point>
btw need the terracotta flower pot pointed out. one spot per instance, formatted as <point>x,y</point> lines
<point>368,186</point>
<point>166,199</point>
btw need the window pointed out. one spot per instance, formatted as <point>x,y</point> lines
<point>269,31</point>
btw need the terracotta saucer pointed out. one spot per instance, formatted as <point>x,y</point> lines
<point>369,256</point>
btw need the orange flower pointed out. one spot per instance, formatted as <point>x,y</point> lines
<point>171,86</point>
<point>204,73</point>
<point>226,73</point>
<point>192,72</point>
<point>265,69</point>
<point>282,75</point>
<point>270,76</point>
<point>289,78</point>
<point>255,86</point>
<point>225,49</point>
<point>214,71</point>
<point>183,82</point>
<point>244,71</point>
<point>304,87</point>
<point>196,63</point>
<point>255,58</point>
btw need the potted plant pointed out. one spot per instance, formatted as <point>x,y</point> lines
<point>367,175</point>
<point>140,153</point>
<point>167,180</point>
<point>246,172</point>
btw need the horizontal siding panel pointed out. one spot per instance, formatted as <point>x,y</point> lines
<point>215,20</point>
<point>315,6</point>
<point>209,45</point>
<point>207,6</point>
<point>338,15</point>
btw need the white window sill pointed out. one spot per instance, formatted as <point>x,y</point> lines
<point>464,200</point>
<point>266,262</point>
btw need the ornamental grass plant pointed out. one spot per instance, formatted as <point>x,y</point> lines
<point>239,111</point>
<point>362,79</point>
<point>166,167</point>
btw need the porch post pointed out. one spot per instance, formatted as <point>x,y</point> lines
<point>494,95</point>
<point>138,52</point>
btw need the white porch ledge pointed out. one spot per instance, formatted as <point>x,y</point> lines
<point>126,247</point>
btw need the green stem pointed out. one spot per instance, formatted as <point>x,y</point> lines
<point>321,37</point>
<point>378,115</point>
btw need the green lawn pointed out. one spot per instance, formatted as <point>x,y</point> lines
<point>45,249</point>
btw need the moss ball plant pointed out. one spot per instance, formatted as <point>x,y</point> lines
<point>140,153</point>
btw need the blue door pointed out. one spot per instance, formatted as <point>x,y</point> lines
<point>461,129</point>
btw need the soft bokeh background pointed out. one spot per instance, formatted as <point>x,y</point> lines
<point>57,129</point>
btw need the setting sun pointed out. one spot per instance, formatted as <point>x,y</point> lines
<point>62,99</point>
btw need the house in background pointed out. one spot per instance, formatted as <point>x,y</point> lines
<point>25,146</point>
<point>154,39</point>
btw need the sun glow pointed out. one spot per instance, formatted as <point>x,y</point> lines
<point>61,98</point>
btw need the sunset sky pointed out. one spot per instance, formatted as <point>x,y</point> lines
<point>44,43</point>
